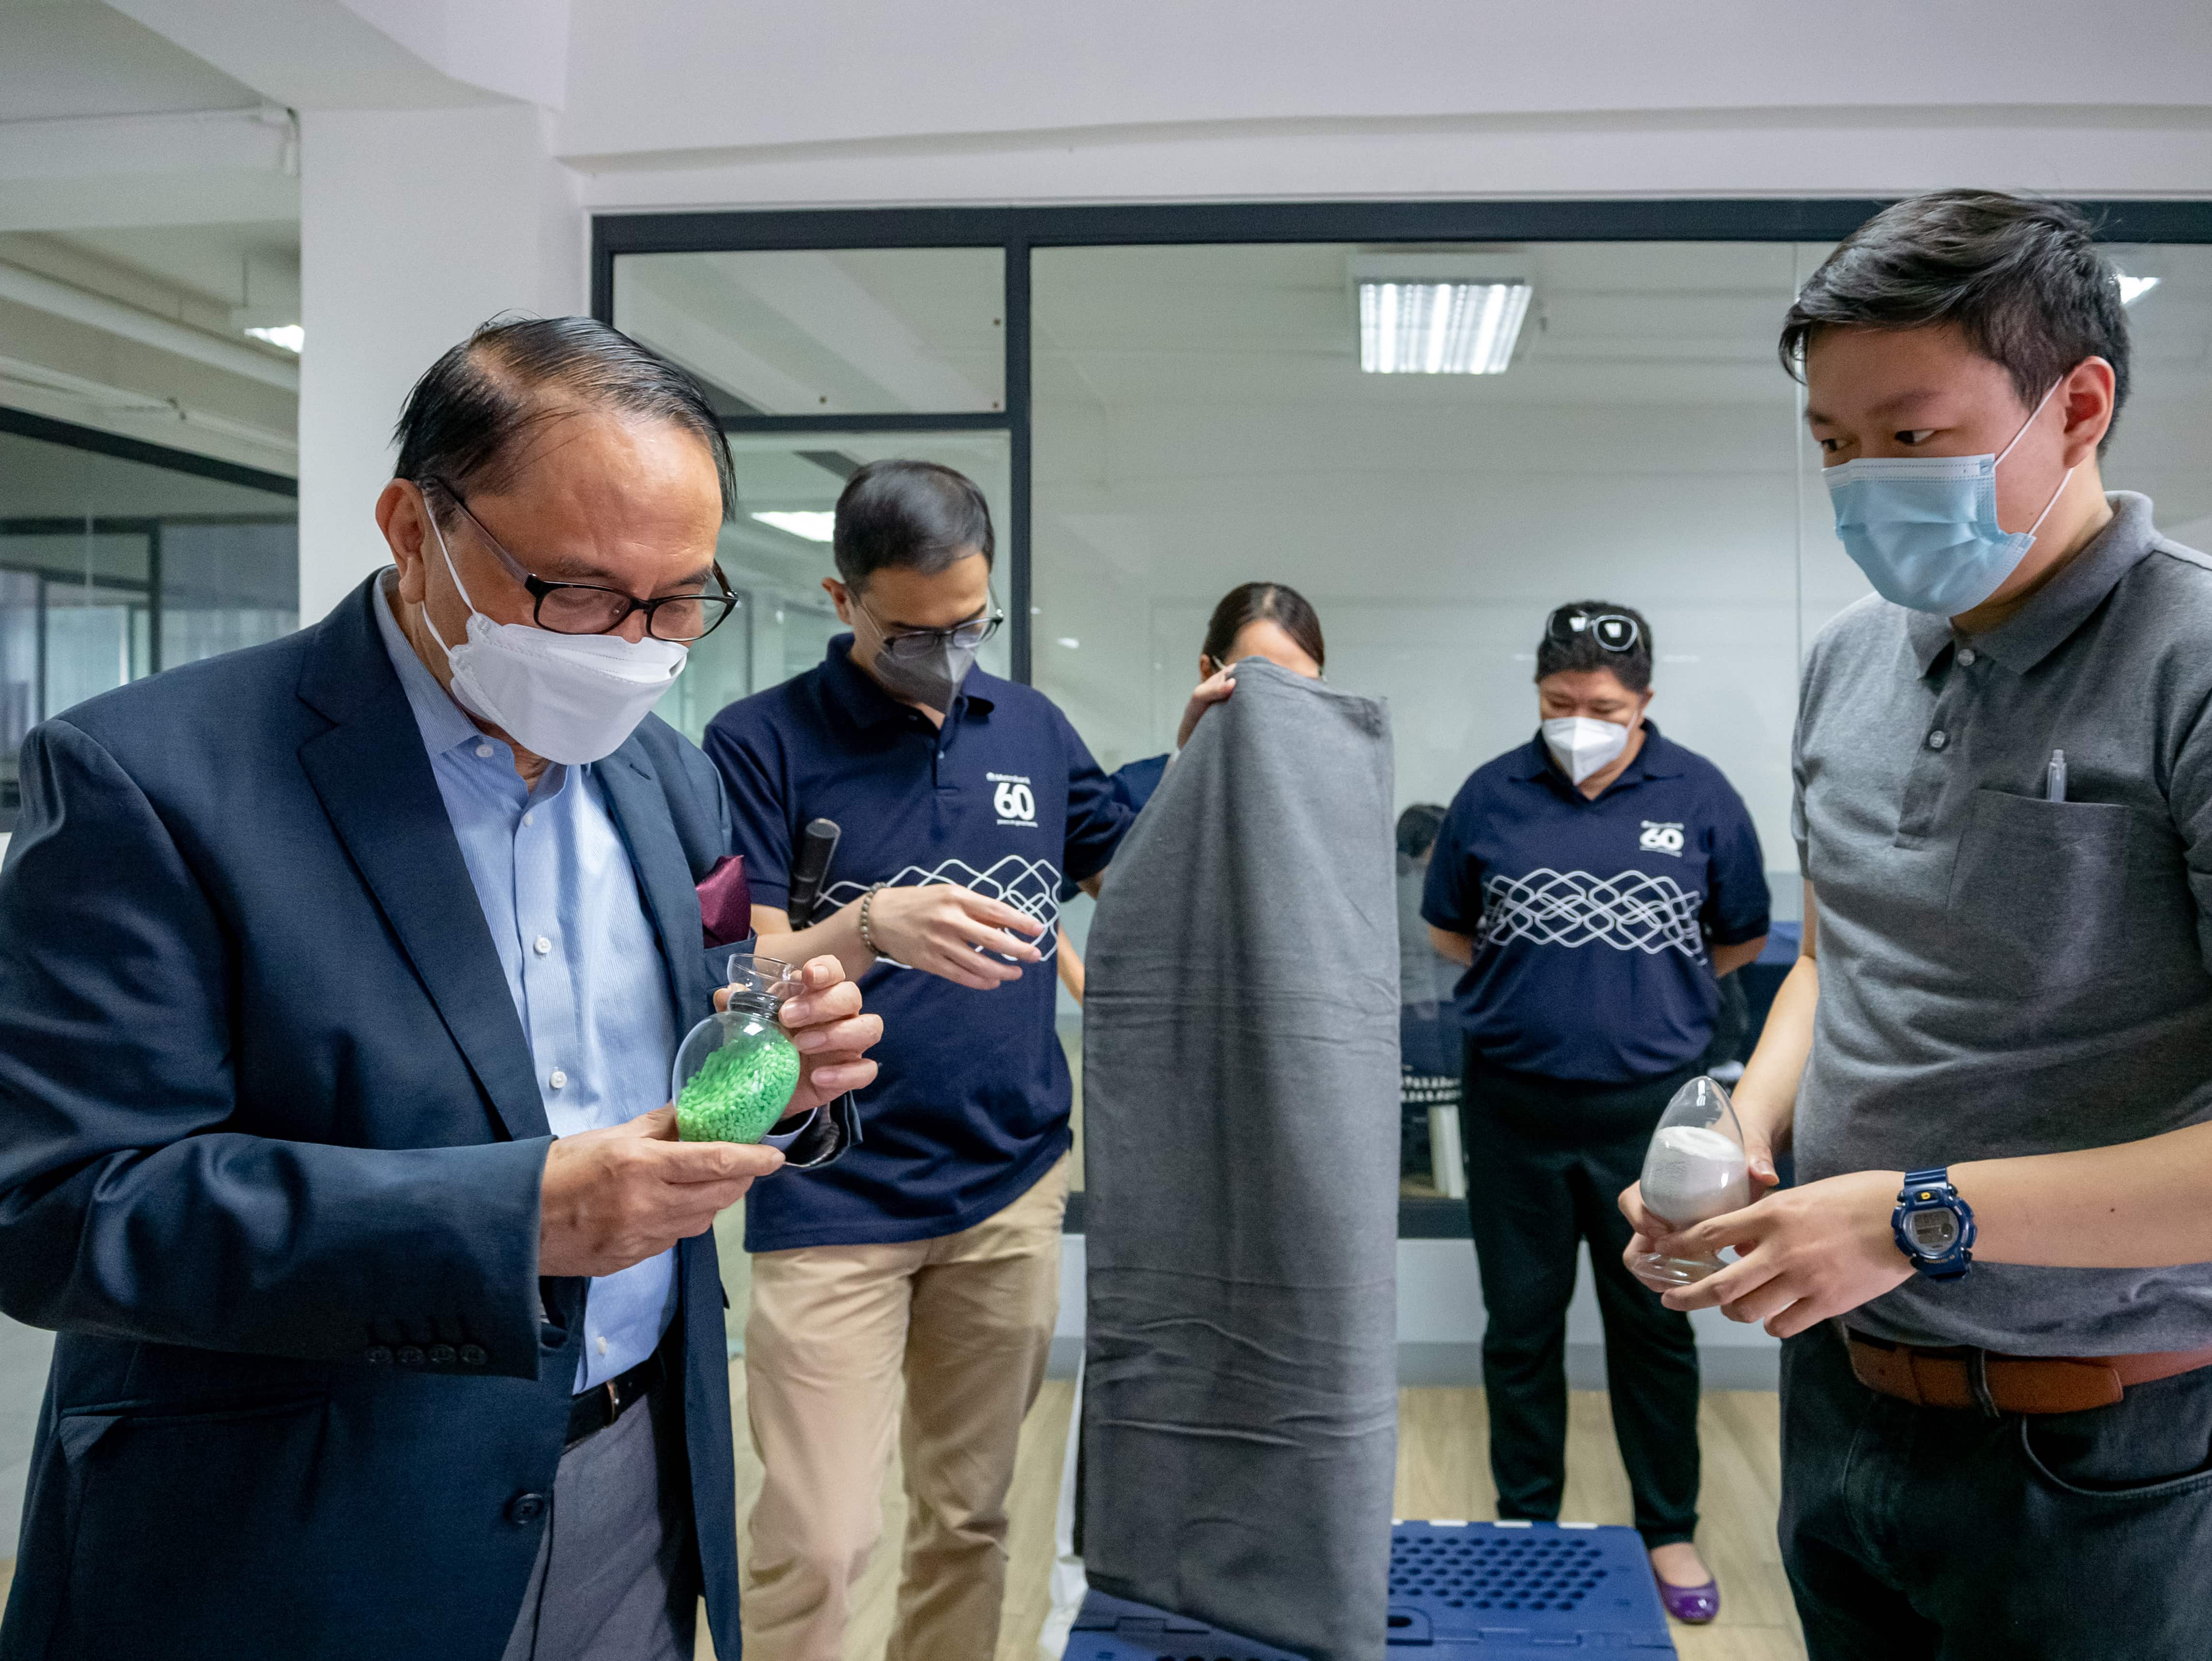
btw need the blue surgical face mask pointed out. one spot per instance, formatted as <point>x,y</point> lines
<point>1924,528</point>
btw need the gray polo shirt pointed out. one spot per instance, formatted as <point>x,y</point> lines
<point>2000,974</point>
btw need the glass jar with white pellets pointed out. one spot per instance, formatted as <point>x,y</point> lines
<point>1695,1169</point>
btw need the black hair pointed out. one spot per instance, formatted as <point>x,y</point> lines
<point>2019,277</point>
<point>463,422</point>
<point>1264,602</point>
<point>916,515</point>
<point>1581,650</point>
<point>1418,828</point>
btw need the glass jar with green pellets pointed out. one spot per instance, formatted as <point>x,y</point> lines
<point>737,1070</point>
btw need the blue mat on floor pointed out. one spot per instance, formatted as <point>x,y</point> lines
<point>1497,1590</point>
<point>1459,1591</point>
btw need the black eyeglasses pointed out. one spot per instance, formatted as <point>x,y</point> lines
<point>587,608</point>
<point>1610,630</point>
<point>919,642</point>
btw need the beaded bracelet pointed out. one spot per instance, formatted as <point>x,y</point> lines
<point>867,939</point>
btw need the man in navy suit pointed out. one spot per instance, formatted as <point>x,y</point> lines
<point>339,982</point>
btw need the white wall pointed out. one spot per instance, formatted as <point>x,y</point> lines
<point>416,227</point>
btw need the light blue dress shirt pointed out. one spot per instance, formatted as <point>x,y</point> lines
<point>584,969</point>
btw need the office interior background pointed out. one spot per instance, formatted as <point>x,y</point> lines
<point>1108,264</point>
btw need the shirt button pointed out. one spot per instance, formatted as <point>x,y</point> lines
<point>484,751</point>
<point>1966,655</point>
<point>473,1355</point>
<point>1938,739</point>
<point>541,945</point>
<point>441,1356</point>
<point>527,818</point>
<point>556,1078</point>
<point>378,1356</point>
<point>408,1356</point>
<point>602,1341</point>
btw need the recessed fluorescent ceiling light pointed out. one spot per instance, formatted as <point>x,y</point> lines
<point>290,336</point>
<point>1070,641</point>
<point>814,526</point>
<point>1439,328</point>
<point>2133,288</point>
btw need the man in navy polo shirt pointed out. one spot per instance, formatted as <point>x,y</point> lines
<point>1596,881</point>
<point>931,1253</point>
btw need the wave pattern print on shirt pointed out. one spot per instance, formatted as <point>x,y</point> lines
<point>1629,912</point>
<point>1030,887</point>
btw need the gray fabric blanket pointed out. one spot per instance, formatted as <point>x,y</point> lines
<point>1241,1156</point>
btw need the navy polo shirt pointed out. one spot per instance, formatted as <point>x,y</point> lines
<point>1591,920</point>
<point>971,1105</point>
<point>1135,783</point>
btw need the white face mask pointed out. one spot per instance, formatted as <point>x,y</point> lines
<point>1581,746</point>
<point>570,698</point>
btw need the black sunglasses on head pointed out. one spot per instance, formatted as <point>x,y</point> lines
<point>1610,630</point>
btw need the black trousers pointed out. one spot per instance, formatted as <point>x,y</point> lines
<point>1545,1163</point>
<point>1927,1534</point>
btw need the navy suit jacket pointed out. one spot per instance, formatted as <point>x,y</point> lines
<point>270,1143</point>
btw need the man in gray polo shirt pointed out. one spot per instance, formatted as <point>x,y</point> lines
<point>1994,1056</point>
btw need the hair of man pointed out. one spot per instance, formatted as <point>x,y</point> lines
<point>916,515</point>
<point>2019,277</point>
<point>1581,651</point>
<point>1419,827</point>
<point>466,424</point>
<point>1264,602</point>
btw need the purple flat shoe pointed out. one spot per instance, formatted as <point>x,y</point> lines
<point>1694,1605</point>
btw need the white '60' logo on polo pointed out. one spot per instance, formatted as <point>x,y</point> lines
<point>1659,838</point>
<point>1014,801</point>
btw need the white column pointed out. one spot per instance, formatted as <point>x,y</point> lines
<point>415,226</point>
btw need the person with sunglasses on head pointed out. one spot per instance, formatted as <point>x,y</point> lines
<point>340,982</point>
<point>1596,883</point>
<point>913,1293</point>
<point>1993,1058</point>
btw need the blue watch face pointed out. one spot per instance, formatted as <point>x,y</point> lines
<point>1933,1231</point>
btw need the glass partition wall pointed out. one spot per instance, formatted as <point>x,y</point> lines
<point>1163,402</point>
<point>118,559</point>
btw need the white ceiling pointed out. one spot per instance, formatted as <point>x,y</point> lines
<point>61,59</point>
<point>135,174</point>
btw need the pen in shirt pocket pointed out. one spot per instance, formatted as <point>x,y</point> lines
<point>2054,777</point>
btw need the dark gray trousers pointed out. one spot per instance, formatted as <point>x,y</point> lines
<point>617,1576</point>
<point>1545,1163</point>
<point>1927,1534</point>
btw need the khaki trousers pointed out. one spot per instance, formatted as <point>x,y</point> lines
<point>966,1321</point>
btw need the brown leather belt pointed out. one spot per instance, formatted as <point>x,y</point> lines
<point>2010,1383</point>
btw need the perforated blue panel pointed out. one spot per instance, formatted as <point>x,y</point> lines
<point>1499,1589</point>
<point>1459,1591</point>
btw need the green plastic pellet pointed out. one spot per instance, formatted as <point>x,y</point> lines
<point>739,1092</point>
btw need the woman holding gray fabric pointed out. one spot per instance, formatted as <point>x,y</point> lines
<point>1595,882</point>
<point>1270,620</point>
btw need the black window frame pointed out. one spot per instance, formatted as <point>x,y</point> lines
<point>1019,231</point>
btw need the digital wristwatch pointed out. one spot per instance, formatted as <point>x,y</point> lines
<point>1934,1228</point>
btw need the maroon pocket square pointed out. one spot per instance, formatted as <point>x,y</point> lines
<point>725,902</point>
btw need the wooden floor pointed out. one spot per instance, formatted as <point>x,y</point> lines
<point>1443,1471</point>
